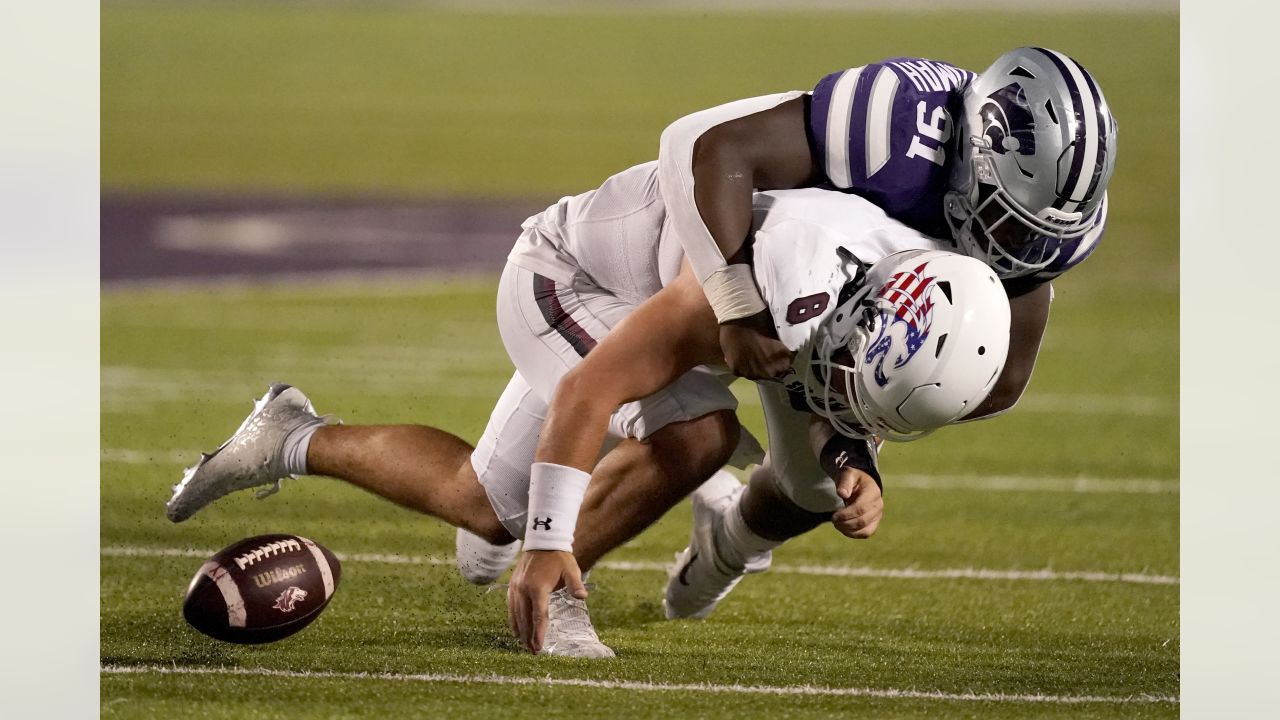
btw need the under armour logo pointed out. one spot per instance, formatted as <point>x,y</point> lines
<point>541,523</point>
<point>842,458</point>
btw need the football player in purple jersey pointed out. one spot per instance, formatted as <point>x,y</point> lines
<point>1012,165</point>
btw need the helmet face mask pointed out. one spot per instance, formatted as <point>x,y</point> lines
<point>1036,152</point>
<point>997,232</point>
<point>833,375</point>
<point>921,344</point>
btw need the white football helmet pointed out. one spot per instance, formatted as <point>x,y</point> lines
<point>1037,148</point>
<point>922,343</point>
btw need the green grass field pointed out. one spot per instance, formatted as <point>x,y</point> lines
<point>1079,481</point>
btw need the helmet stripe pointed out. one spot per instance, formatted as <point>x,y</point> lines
<point>1089,242</point>
<point>1104,125</point>
<point>1063,201</point>
<point>1086,142</point>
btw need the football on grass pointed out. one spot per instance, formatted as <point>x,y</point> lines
<point>261,589</point>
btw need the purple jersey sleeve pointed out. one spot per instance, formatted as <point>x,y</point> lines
<point>884,131</point>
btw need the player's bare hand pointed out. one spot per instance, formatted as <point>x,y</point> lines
<point>750,351</point>
<point>537,575</point>
<point>863,504</point>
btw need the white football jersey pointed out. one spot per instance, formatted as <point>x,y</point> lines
<point>797,263</point>
<point>618,237</point>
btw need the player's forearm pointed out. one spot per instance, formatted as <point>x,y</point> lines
<point>1029,316</point>
<point>576,425</point>
<point>661,340</point>
<point>567,450</point>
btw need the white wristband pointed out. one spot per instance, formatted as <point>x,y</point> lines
<point>555,496</point>
<point>732,292</point>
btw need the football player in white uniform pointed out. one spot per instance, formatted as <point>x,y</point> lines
<point>605,253</point>
<point>916,344</point>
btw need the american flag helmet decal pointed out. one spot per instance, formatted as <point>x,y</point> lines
<point>930,342</point>
<point>908,295</point>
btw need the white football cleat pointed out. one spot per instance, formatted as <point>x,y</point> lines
<point>251,457</point>
<point>570,634</point>
<point>480,561</point>
<point>700,578</point>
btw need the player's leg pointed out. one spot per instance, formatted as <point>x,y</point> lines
<point>684,432</point>
<point>547,327</point>
<point>633,485</point>
<point>736,527</point>
<point>638,482</point>
<point>419,467</point>
<point>769,515</point>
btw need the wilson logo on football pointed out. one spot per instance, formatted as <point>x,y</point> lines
<point>903,333</point>
<point>290,598</point>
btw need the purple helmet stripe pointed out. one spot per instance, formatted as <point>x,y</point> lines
<point>1077,156</point>
<point>544,292</point>
<point>1077,250</point>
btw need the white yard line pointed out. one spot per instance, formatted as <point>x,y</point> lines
<point>1020,483</point>
<point>1044,574</point>
<point>130,456</point>
<point>806,690</point>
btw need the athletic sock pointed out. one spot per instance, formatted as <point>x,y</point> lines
<point>296,444</point>
<point>736,543</point>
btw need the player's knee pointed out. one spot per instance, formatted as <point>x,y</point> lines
<point>477,514</point>
<point>485,524</point>
<point>698,447</point>
<point>492,531</point>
